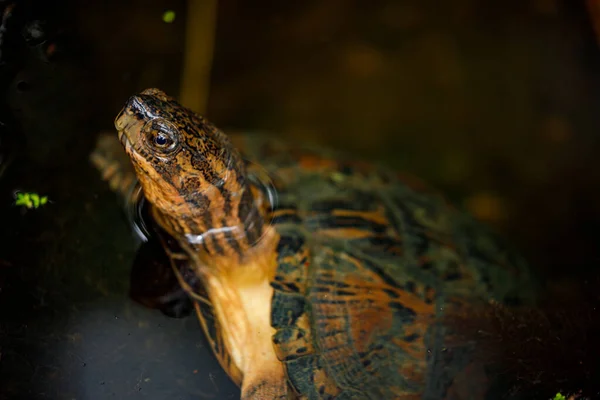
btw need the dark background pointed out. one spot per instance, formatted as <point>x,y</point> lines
<point>494,102</point>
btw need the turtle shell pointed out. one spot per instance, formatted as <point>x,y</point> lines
<point>368,260</point>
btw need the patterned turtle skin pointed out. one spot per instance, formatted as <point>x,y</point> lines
<point>313,276</point>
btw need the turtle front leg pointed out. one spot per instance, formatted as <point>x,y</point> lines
<point>269,383</point>
<point>153,283</point>
<point>264,374</point>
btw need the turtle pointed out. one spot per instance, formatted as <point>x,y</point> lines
<point>314,275</point>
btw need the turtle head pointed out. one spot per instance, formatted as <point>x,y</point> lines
<point>188,169</point>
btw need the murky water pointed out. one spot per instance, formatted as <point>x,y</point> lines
<point>68,329</point>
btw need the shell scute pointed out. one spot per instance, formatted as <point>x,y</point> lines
<point>292,342</point>
<point>309,379</point>
<point>293,263</point>
<point>368,322</point>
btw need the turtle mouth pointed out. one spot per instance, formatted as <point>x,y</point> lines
<point>123,139</point>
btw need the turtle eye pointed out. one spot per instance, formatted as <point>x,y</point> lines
<point>161,135</point>
<point>161,140</point>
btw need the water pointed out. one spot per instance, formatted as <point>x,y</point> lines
<point>423,95</point>
<point>68,328</point>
